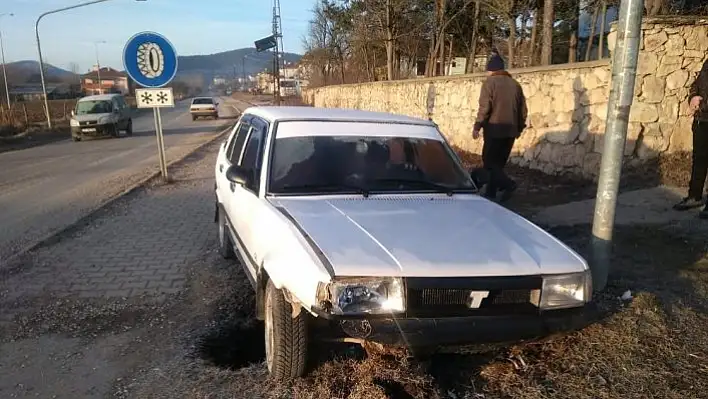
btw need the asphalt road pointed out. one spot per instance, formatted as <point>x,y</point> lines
<point>45,188</point>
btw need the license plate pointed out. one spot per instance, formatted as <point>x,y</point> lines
<point>89,130</point>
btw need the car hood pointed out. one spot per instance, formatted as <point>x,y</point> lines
<point>427,236</point>
<point>91,117</point>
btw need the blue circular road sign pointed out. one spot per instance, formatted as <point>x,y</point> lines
<point>150,59</point>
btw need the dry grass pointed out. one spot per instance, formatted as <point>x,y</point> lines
<point>32,112</point>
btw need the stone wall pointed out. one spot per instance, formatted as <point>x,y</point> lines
<point>567,103</point>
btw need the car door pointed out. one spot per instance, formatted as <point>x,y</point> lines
<point>124,111</point>
<point>230,155</point>
<point>245,201</point>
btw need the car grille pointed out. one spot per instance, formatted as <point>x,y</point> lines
<point>88,123</point>
<point>435,297</point>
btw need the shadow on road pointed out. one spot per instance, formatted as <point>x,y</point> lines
<point>181,130</point>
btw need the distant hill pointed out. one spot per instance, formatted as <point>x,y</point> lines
<point>231,62</point>
<point>226,64</point>
<point>21,72</point>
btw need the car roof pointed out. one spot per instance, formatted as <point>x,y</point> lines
<point>290,113</point>
<point>203,98</point>
<point>100,97</point>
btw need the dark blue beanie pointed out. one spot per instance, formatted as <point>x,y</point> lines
<point>496,63</point>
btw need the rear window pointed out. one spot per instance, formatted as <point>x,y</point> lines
<point>202,101</point>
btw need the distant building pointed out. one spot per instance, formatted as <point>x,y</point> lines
<point>111,81</point>
<point>33,92</point>
<point>219,81</point>
<point>265,82</point>
<point>290,71</point>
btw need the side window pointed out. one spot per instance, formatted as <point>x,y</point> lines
<point>252,153</point>
<point>233,153</point>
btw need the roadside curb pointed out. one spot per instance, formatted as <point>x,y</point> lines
<point>55,236</point>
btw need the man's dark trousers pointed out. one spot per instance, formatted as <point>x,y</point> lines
<point>700,159</point>
<point>495,155</point>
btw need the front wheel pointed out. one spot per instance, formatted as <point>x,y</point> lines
<point>129,128</point>
<point>285,337</point>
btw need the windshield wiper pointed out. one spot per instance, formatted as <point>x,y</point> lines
<point>424,183</point>
<point>326,188</point>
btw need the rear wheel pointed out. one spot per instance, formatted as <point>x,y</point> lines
<point>226,247</point>
<point>75,138</point>
<point>285,337</point>
<point>194,118</point>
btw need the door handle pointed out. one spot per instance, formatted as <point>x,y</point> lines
<point>232,186</point>
<point>221,167</point>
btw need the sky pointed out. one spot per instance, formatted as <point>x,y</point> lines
<point>193,26</point>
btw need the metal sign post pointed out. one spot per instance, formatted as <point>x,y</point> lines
<point>151,61</point>
<point>156,99</point>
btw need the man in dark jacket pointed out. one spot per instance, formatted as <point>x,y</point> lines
<point>502,117</point>
<point>696,97</point>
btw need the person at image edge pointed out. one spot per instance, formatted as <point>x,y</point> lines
<point>696,97</point>
<point>501,117</point>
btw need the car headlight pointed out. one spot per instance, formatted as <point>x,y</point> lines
<point>74,122</point>
<point>364,295</point>
<point>566,290</point>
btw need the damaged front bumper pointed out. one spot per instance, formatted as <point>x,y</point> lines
<point>467,330</point>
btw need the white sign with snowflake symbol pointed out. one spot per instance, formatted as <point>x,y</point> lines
<point>155,98</point>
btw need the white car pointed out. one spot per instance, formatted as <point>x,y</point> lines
<point>367,224</point>
<point>204,107</point>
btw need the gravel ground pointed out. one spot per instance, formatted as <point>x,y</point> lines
<point>203,342</point>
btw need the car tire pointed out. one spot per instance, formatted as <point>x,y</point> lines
<point>75,138</point>
<point>194,118</point>
<point>129,128</point>
<point>115,132</point>
<point>226,247</point>
<point>286,337</point>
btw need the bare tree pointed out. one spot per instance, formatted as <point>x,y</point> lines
<point>507,11</point>
<point>574,26</point>
<point>656,7</point>
<point>548,20</point>
<point>591,38</point>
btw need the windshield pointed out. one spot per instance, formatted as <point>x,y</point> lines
<point>202,101</point>
<point>345,164</point>
<point>93,107</point>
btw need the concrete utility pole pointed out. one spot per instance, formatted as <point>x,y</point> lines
<point>98,66</point>
<point>624,69</point>
<point>4,69</point>
<point>278,34</point>
<point>39,49</point>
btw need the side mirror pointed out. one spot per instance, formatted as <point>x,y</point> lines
<point>238,175</point>
<point>73,113</point>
